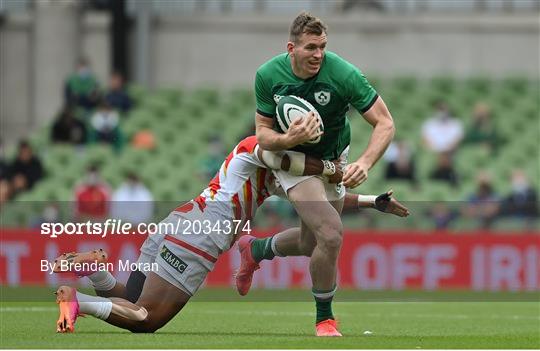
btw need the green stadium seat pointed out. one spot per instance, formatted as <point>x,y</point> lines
<point>515,225</point>
<point>207,96</point>
<point>14,215</point>
<point>183,121</point>
<point>480,85</point>
<point>243,97</point>
<point>517,85</point>
<point>443,84</point>
<point>173,96</point>
<point>405,83</point>
<point>465,224</point>
<point>137,92</point>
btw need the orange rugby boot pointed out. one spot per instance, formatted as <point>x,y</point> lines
<point>327,327</point>
<point>66,298</point>
<point>248,265</point>
<point>68,262</point>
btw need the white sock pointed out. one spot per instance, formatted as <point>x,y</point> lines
<point>102,280</point>
<point>274,248</point>
<point>99,307</point>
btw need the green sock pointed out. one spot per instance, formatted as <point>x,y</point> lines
<point>261,249</point>
<point>323,304</point>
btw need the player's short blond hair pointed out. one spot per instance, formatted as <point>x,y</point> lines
<point>306,23</point>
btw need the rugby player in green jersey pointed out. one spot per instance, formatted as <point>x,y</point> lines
<point>330,84</point>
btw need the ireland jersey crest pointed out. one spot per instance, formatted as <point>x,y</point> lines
<point>322,97</point>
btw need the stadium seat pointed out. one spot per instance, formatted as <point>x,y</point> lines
<point>405,83</point>
<point>480,85</point>
<point>181,119</point>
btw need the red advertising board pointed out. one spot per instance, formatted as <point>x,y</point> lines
<point>381,260</point>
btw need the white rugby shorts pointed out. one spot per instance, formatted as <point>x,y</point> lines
<point>333,191</point>
<point>185,259</point>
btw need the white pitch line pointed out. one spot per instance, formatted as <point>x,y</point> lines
<point>28,309</point>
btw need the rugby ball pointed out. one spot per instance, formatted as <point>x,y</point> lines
<point>292,107</point>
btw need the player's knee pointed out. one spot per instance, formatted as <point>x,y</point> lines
<point>331,243</point>
<point>330,239</point>
<point>146,326</point>
<point>153,321</point>
<point>329,232</point>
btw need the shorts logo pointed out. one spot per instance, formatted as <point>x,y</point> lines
<point>173,260</point>
<point>322,97</point>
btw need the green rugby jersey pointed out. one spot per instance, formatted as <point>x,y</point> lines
<point>338,84</point>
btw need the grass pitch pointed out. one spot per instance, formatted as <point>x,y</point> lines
<point>277,324</point>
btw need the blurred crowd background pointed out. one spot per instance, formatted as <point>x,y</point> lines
<point>147,129</point>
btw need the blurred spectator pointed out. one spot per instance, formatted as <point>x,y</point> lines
<point>484,203</point>
<point>442,215</point>
<point>212,162</point>
<point>68,129</point>
<point>399,157</point>
<point>132,201</point>
<point>482,129</point>
<point>522,202</point>
<point>442,132</point>
<point>116,95</point>
<point>105,125</point>
<point>5,191</point>
<point>4,166</point>
<point>445,169</point>
<point>92,197</point>
<point>26,170</point>
<point>82,87</point>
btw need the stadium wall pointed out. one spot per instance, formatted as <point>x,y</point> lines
<point>227,50</point>
<point>38,49</point>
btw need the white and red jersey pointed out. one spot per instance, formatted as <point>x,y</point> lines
<point>242,183</point>
<point>235,193</point>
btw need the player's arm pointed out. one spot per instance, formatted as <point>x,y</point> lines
<point>383,131</point>
<point>384,203</point>
<point>298,164</point>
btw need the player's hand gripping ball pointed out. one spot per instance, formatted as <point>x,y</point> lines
<point>291,107</point>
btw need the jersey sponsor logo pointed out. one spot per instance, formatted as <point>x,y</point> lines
<point>322,97</point>
<point>173,260</point>
<point>277,98</point>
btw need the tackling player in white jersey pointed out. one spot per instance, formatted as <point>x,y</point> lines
<point>149,301</point>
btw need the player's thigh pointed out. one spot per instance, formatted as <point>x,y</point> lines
<point>308,241</point>
<point>317,214</point>
<point>311,189</point>
<point>338,204</point>
<point>161,299</point>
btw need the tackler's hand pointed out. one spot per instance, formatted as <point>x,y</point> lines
<point>385,203</point>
